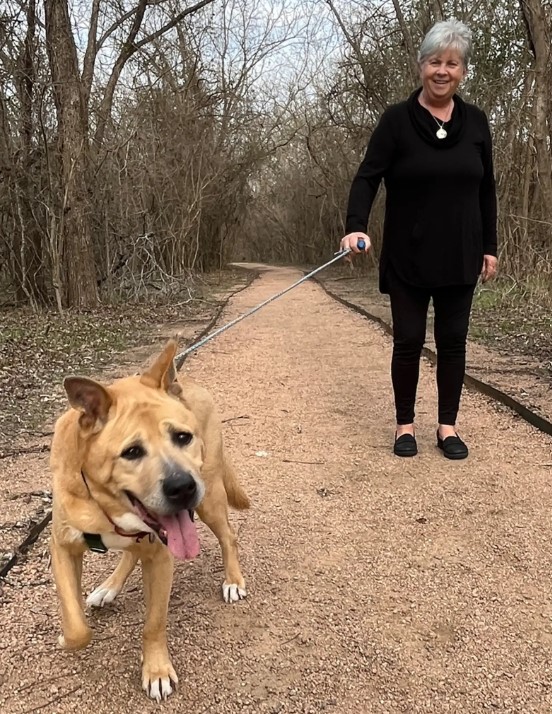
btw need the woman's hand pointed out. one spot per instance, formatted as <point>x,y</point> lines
<point>351,241</point>
<point>488,271</point>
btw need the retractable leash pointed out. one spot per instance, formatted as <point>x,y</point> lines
<point>179,359</point>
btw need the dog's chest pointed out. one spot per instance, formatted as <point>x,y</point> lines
<point>112,541</point>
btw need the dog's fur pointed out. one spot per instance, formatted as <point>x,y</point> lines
<point>96,473</point>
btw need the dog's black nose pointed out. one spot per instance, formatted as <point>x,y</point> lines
<point>179,488</point>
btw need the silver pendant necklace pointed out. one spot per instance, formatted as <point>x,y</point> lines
<point>441,132</point>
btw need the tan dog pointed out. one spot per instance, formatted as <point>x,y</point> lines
<point>131,462</point>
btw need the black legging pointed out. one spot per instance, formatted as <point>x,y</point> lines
<point>409,307</point>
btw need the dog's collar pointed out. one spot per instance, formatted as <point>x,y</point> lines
<point>94,542</point>
<point>95,538</point>
<point>96,545</point>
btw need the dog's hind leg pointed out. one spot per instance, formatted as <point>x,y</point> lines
<point>237,497</point>
<point>110,588</point>
<point>67,569</point>
<point>158,675</point>
<point>213,511</point>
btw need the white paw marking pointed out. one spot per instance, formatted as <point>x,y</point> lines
<point>101,596</point>
<point>61,641</point>
<point>159,689</point>
<point>232,592</point>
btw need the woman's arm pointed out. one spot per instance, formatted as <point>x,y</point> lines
<point>369,175</point>
<point>487,194</point>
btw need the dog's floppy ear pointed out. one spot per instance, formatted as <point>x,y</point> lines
<point>162,372</point>
<point>90,398</point>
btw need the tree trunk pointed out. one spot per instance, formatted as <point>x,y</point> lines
<point>75,239</point>
<point>538,34</point>
<point>29,249</point>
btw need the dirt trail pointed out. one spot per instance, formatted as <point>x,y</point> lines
<point>376,584</point>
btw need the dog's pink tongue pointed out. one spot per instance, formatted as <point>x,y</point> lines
<point>182,539</point>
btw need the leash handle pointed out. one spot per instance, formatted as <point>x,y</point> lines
<point>361,245</point>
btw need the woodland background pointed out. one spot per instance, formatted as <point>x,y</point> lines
<point>144,142</point>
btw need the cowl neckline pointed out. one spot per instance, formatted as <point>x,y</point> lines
<point>455,127</point>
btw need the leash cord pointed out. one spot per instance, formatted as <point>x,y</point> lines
<point>179,359</point>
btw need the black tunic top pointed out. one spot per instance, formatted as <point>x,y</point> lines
<point>440,212</point>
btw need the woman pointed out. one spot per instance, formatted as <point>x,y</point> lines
<point>434,153</point>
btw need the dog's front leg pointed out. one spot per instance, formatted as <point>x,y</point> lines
<point>213,511</point>
<point>67,569</point>
<point>110,588</point>
<point>158,675</point>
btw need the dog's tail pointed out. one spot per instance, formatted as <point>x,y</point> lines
<point>237,497</point>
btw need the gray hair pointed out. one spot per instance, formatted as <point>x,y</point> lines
<point>445,35</point>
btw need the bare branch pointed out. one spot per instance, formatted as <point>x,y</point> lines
<point>129,48</point>
<point>91,52</point>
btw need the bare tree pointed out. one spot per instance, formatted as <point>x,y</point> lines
<point>72,93</point>
<point>75,240</point>
<point>540,38</point>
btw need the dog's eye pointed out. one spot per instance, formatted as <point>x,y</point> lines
<point>182,438</point>
<point>133,452</point>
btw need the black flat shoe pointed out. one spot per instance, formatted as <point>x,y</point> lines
<point>405,445</point>
<point>452,447</point>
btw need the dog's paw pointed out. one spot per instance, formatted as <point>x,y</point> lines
<point>101,596</point>
<point>231,592</point>
<point>77,640</point>
<point>159,682</point>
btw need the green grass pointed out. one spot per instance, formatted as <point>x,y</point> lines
<point>514,317</point>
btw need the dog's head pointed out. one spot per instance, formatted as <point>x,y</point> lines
<point>142,452</point>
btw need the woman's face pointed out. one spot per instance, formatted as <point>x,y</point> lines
<point>441,74</point>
